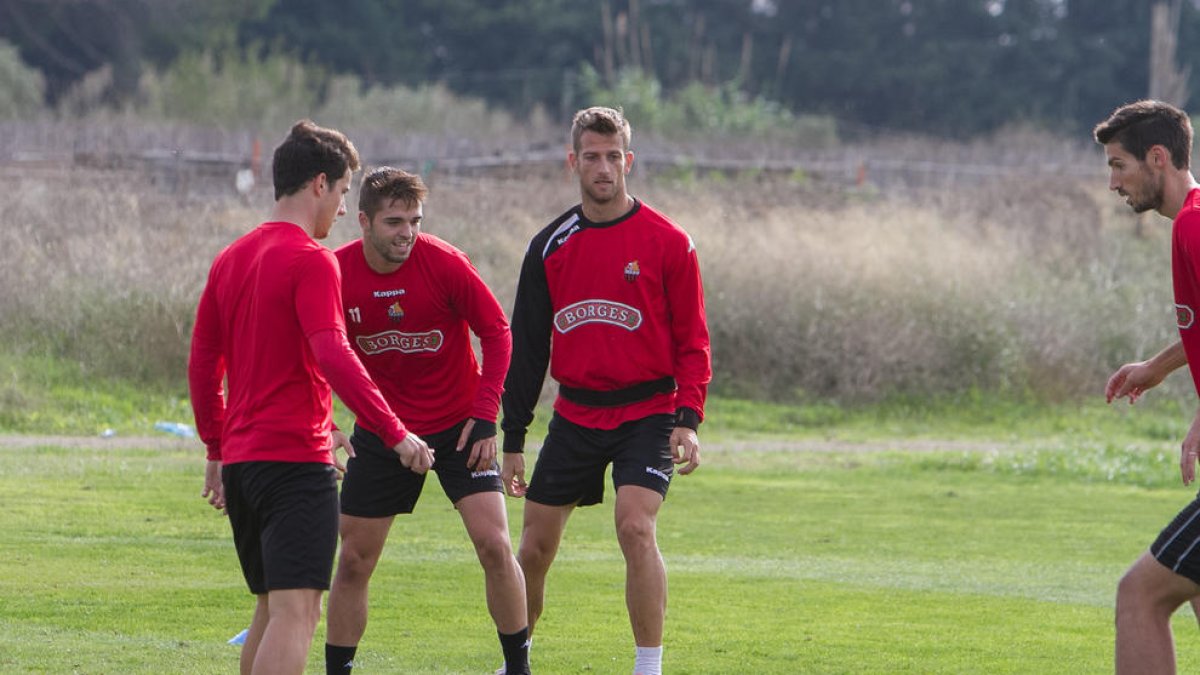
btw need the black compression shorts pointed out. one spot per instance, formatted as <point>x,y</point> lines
<point>285,522</point>
<point>1178,545</point>
<point>570,467</point>
<point>377,485</point>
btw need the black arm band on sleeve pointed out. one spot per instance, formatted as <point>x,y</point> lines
<point>514,442</point>
<point>482,429</point>
<point>686,417</point>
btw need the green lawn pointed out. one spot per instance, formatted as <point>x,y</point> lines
<point>779,562</point>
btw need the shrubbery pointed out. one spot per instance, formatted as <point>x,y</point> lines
<point>1036,291</point>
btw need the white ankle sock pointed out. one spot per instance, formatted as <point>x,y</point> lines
<point>649,661</point>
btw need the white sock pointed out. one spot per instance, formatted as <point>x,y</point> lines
<point>649,661</point>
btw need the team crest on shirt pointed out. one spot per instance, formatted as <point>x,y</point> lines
<point>395,312</point>
<point>597,311</point>
<point>1184,316</point>
<point>632,271</point>
<point>396,341</point>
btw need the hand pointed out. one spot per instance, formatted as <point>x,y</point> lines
<point>1131,380</point>
<point>415,455</point>
<point>1190,451</point>
<point>483,451</point>
<point>512,474</point>
<point>214,489</point>
<point>685,447</point>
<point>340,441</point>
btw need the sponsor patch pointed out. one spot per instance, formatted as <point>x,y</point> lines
<point>597,311</point>
<point>1184,316</point>
<point>396,341</point>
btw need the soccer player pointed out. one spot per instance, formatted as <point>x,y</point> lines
<point>610,298</point>
<point>412,302</point>
<point>270,319</point>
<point>1148,145</point>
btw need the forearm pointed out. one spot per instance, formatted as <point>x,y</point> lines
<point>497,353</point>
<point>350,381</point>
<point>206,375</point>
<point>1168,360</point>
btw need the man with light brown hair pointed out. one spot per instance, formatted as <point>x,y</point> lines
<point>610,298</point>
<point>412,302</point>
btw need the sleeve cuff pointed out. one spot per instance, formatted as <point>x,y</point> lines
<point>482,429</point>
<point>687,417</point>
<point>514,442</point>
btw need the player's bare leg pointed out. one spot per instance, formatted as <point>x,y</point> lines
<point>1147,596</point>
<point>362,544</point>
<point>541,533</point>
<point>486,521</point>
<point>254,634</point>
<point>645,574</point>
<point>292,619</point>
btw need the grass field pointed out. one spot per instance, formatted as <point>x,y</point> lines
<point>790,551</point>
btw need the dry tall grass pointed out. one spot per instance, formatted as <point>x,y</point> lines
<point>1029,287</point>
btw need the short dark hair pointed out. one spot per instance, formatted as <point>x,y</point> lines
<point>1142,125</point>
<point>309,151</point>
<point>387,184</point>
<point>601,120</point>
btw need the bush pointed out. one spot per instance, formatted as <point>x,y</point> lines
<point>22,89</point>
<point>701,112</point>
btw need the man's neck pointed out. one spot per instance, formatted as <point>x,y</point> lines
<point>1175,193</point>
<point>291,210</point>
<point>610,210</point>
<point>376,262</point>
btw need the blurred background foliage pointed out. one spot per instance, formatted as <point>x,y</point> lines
<point>941,67</point>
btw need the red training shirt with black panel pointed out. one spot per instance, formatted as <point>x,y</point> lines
<point>609,306</point>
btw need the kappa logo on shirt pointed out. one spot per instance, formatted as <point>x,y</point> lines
<point>597,311</point>
<point>396,341</point>
<point>1184,316</point>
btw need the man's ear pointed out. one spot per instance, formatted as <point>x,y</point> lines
<point>1159,156</point>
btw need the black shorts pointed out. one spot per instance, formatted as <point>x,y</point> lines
<point>570,467</point>
<point>377,485</point>
<point>1178,545</point>
<point>285,522</point>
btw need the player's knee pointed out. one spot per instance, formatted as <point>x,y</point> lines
<point>355,566</point>
<point>535,554</point>
<point>1139,593</point>
<point>494,550</point>
<point>636,533</point>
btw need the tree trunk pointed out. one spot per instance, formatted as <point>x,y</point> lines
<point>1168,82</point>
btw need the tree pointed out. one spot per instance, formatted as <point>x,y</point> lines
<point>68,39</point>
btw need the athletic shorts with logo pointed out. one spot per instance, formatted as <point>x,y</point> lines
<point>377,485</point>
<point>1178,545</point>
<point>570,467</point>
<point>284,517</point>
